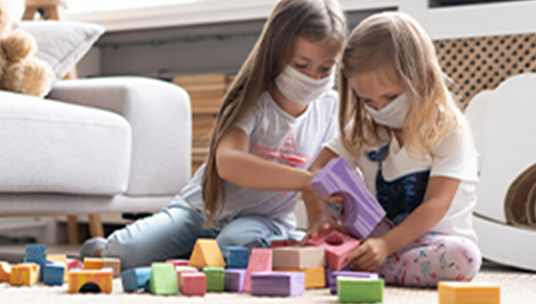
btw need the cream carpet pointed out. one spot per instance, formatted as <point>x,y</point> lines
<point>516,288</point>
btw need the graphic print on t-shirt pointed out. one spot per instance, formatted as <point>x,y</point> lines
<point>285,154</point>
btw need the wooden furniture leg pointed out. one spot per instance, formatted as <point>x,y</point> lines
<point>50,10</point>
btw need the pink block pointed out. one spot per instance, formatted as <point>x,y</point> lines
<point>338,246</point>
<point>193,284</point>
<point>74,263</point>
<point>260,260</point>
<point>178,262</point>
<point>283,243</point>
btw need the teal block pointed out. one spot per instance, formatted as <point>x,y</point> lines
<point>163,279</point>
<point>215,278</point>
<point>359,290</point>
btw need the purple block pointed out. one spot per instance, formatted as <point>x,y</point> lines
<point>234,279</point>
<point>279,284</point>
<point>355,274</point>
<point>361,211</point>
<point>328,271</point>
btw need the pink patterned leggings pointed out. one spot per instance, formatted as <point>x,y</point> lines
<point>432,258</point>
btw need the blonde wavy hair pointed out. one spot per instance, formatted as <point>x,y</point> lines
<point>314,20</point>
<point>392,42</point>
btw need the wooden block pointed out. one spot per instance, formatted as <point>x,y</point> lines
<point>193,284</point>
<point>74,264</point>
<point>90,280</point>
<point>283,243</point>
<point>234,279</point>
<point>215,278</point>
<point>332,280</point>
<point>163,279</point>
<point>183,269</point>
<point>179,262</point>
<point>55,273</point>
<point>280,284</point>
<point>235,257</point>
<point>93,263</point>
<point>36,253</point>
<point>5,272</point>
<point>25,274</point>
<point>337,245</point>
<point>314,277</point>
<point>298,257</point>
<point>360,290</point>
<point>468,293</point>
<point>113,263</point>
<point>206,253</point>
<point>260,260</point>
<point>136,278</point>
<point>361,211</point>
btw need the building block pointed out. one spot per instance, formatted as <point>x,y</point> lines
<point>236,257</point>
<point>74,264</point>
<point>136,278</point>
<point>179,262</point>
<point>179,270</point>
<point>468,292</point>
<point>5,272</point>
<point>193,284</point>
<point>215,278</point>
<point>54,273</point>
<point>163,279</point>
<point>36,253</point>
<point>25,274</point>
<point>60,258</point>
<point>314,277</point>
<point>328,271</point>
<point>298,257</point>
<point>281,284</point>
<point>260,260</point>
<point>360,212</point>
<point>206,253</point>
<point>337,245</point>
<point>360,290</point>
<point>332,280</point>
<point>90,280</point>
<point>284,243</point>
<point>114,264</point>
<point>234,279</point>
<point>93,263</point>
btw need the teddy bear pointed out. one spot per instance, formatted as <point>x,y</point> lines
<point>20,70</point>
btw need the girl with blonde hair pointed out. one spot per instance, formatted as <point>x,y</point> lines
<point>274,118</point>
<point>400,124</point>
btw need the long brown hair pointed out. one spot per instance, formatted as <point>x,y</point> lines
<point>313,20</point>
<point>394,43</point>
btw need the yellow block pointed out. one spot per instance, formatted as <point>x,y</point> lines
<point>93,263</point>
<point>80,278</point>
<point>5,272</point>
<point>314,277</point>
<point>468,293</point>
<point>25,274</point>
<point>206,253</point>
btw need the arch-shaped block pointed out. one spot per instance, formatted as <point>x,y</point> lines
<point>83,280</point>
<point>361,212</point>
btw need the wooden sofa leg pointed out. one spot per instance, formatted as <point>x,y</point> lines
<point>95,225</point>
<point>72,230</point>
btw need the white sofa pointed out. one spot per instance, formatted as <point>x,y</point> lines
<point>117,144</point>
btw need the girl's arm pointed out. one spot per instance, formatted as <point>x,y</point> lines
<point>236,165</point>
<point>437,199</point>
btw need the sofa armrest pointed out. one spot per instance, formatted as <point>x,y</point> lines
<point>160,117</point>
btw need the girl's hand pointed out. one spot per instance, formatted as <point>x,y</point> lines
<point>369,255</point>
<point>318,225</point>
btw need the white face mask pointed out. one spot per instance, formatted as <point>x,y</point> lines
<point>392,115</point>
<point>301,88</point>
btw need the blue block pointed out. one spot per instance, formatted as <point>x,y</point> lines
<point>236,257</point>
<point>36,253</point>
<point>54,273</point>
<point>136,278</point>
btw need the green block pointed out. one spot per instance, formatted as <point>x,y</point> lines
<point>360,290</point>
<point>163,279</point>
<point>215,278</point>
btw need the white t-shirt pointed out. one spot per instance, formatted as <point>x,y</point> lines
<point>275,136</point>
<point>457,158</point>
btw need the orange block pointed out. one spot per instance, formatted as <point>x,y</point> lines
<point>314,277</point>
<point>93,263</point>
<point>25,274</point>
<point>468,293</point>
<point>206,253</point>
<point>90,280</point>
<point>5,272</point>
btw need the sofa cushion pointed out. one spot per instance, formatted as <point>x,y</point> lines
<point>50,146</point>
